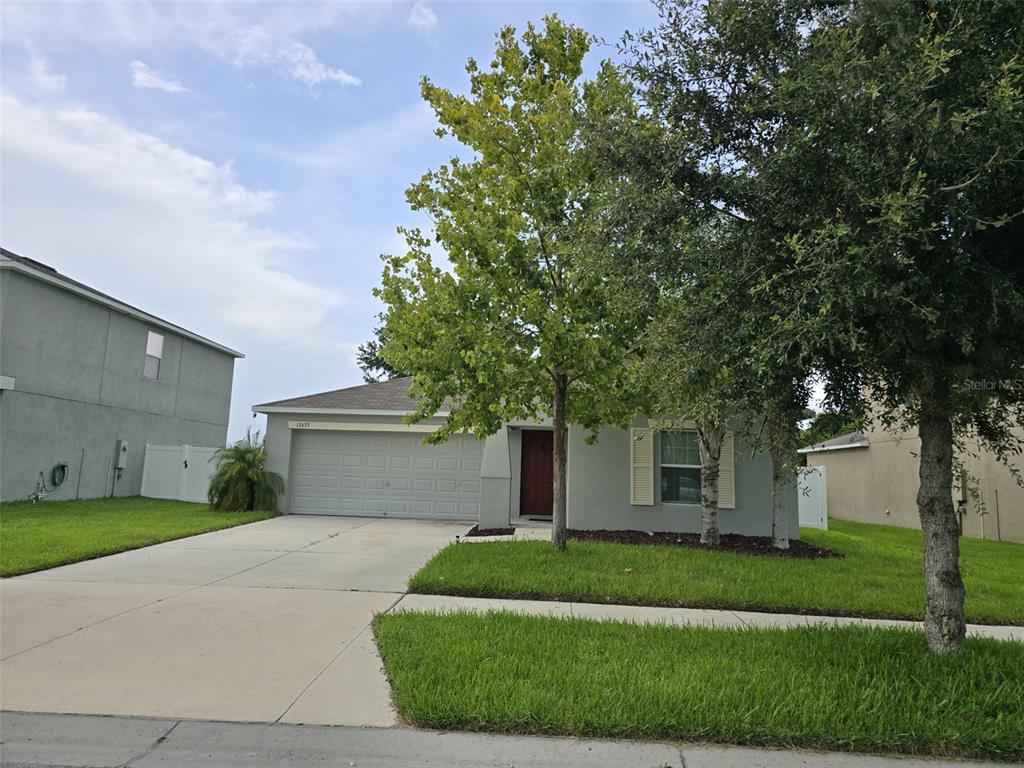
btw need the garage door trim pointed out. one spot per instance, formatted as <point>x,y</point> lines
<point>360,426</point>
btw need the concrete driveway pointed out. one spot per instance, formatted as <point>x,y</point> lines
<point>267,622</point>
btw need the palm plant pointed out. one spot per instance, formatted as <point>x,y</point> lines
<point>241,481</point>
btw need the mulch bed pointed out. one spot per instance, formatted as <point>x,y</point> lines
<point>476,530</point>
<point>731,542</point>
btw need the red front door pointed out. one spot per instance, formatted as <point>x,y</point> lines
<point>536,488</point>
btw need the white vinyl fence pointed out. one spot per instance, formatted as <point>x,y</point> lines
<point>813,498</point>
<point>180,472</point>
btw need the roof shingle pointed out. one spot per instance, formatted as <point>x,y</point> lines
<point>852,440</point>
<point>390,395</point>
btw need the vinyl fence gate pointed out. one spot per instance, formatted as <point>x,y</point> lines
<point>179,472</point>
<point>812,501</point>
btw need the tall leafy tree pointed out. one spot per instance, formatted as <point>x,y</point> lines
<point>681,247</point>
<point>826,424</point>
<point>873,152</point>
<point>371,362</point>
<point>674,248</point>
<point>520,327</point>
<point>692,364</point>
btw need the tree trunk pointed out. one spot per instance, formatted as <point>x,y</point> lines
<point>779,449</point>
<point>710,454</point>
<point>558,516</point>
<point>944,623</point>
<point>780,512</point>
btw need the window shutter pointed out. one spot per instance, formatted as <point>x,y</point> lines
<point>727,474</point>
<point>641,474</point>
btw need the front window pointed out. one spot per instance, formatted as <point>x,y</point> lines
<point>154,354</point>
<point>680,467</point>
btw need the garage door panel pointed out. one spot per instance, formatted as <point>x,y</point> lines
<point>306,460</point>
<point>324,442</point>
<point>384,474</point>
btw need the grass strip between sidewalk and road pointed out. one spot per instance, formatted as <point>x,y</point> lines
<point>52,533</point>
<point>879,575</point>
<point>859,689</point>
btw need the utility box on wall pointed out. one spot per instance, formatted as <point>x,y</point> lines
<point>121,459</point>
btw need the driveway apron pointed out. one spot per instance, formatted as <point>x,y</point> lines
<point>265,622</point>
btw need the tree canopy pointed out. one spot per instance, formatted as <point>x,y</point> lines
<point>519,327</point>
<point>871,154</point>
<point>372,363</point>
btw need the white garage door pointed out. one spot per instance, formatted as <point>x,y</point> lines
<point>381,474</point>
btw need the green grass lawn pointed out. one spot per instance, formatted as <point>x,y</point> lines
<point>51,533</point>
<point>879,575</point>
<point>849,688</point>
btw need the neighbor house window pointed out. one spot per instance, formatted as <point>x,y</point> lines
<point>680,467</point>
<point>154,354</point>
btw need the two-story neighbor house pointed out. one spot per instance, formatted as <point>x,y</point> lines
<point>86,381</point>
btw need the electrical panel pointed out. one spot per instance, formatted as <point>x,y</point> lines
<point>121,461</point>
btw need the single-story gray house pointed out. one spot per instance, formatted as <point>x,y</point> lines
<point>350,452</point>
<point>87,380</point>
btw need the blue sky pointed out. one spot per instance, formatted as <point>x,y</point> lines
<point>238,169</point>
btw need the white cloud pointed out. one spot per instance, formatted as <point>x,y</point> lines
<point>245,34</point>
<point>422,17</point>
<point>302,64</point>
<point>257,47</point>
<point>39,71</point>
<point>144,77</point>
<point>172,230</point>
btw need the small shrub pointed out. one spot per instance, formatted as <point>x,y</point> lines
<point>241,481</point>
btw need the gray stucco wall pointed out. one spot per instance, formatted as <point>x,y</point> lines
<point>79,389</point>
<point>598,491</point>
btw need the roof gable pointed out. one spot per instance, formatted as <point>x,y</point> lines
<point>47,274</point>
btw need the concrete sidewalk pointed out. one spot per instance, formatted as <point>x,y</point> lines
<point>84,741</point>
<point>675,616</point>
